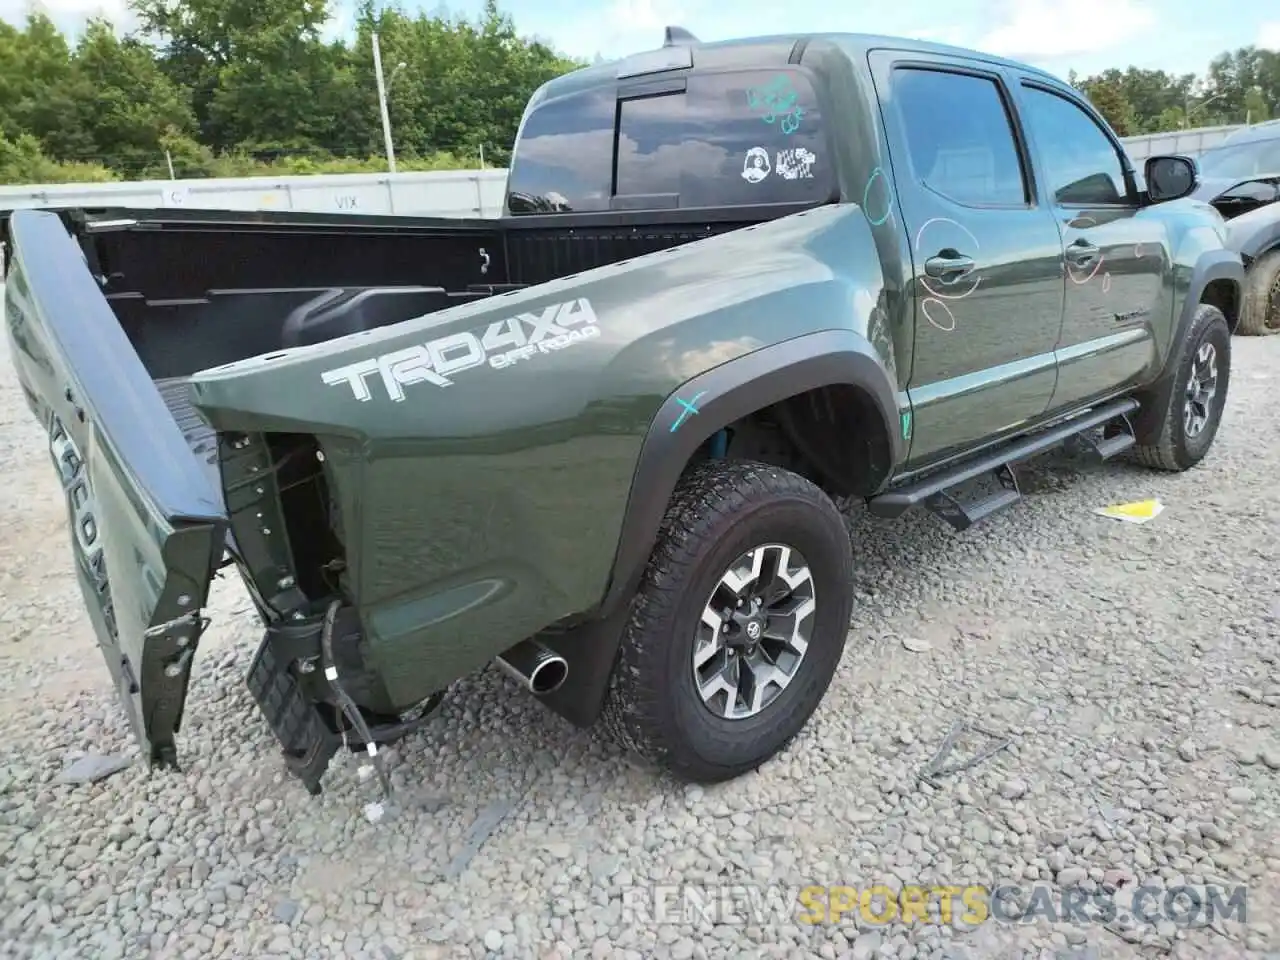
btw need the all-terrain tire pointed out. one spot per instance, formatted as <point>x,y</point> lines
<point>720,510</point>
<point>1171,448</point>
<point>1260,305</point>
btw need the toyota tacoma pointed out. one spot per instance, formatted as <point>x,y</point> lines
<point>601,439</point>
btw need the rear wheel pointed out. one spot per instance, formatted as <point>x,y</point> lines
<point>1260,310</point>
<point>1189,422</point>
<point>738,624</point>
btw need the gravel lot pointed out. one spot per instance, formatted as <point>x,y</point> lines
<point>1133,668</point>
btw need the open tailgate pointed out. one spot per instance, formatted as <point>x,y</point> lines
<point>147,525</point>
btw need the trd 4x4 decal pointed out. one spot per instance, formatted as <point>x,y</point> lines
<point>501,344</point>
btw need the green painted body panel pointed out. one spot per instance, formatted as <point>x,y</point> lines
<point>1027,339</point>
<point>482,487</point>
<point>477,513</point>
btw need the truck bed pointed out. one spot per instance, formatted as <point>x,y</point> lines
<point>197,289</point>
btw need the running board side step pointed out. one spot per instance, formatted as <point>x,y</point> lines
<point>1103,448</point>
<point>933,493</point>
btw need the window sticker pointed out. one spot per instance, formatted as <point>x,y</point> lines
<point>795,164</point>
<point>756,166</point>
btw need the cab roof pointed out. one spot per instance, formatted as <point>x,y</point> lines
<point>681,49</point>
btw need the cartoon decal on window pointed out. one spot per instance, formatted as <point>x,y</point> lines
<point>795,164</point>
<point>778,99</point>
<point>756,167</point>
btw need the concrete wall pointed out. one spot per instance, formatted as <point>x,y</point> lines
<point>1186,142</point>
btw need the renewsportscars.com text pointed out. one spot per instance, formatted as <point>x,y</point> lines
<point>972,904</point>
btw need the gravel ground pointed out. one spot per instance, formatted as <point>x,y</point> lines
<point>1132,670</point>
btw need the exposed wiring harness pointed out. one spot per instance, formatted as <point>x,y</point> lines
<point>374,811</point>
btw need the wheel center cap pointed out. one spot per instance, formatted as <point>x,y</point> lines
<point>754,629</point>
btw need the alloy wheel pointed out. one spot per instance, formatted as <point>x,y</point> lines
<point>754,631</point>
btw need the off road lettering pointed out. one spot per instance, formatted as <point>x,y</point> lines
<point>501,344</point>
<point>502,361</point>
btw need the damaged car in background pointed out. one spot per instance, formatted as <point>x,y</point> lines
<point>1241,178</point>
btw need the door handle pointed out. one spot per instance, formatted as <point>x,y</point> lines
<point>949,267</point>
<point>1082,252</point>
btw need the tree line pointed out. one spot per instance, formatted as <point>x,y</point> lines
<point>209,88</point>
<point>1240,86</point>
<point>223,88</point>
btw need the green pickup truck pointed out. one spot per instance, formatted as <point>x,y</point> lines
<point>601,439</point>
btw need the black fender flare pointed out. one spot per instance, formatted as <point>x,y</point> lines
<point>1211,266</point>
<point>725,394</point>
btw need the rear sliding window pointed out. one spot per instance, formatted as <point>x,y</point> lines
<point>729,139</point>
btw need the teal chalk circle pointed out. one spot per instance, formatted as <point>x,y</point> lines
<point>876,174</point>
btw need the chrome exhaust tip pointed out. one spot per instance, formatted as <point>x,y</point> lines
<point>533,665</point>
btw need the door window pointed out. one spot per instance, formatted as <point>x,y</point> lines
<point>1080,162</point>
<point>959,137</point>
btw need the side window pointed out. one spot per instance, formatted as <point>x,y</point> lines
<point>1081,165</point>
<point>732,139</point>
<point>959,136</point>
<point>564,160</point>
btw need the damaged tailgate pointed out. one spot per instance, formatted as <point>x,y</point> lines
<point>147,525</point>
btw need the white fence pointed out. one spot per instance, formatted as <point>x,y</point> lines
<point>1185,142</point>
<point>448,193</point>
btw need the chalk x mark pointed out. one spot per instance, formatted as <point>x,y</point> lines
<point>690,409</point>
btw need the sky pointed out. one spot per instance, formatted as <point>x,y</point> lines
<point>1085,35</point>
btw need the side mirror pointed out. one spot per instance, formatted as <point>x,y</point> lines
<point>1170,178</point>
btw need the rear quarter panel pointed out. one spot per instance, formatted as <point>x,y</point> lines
<point>477,513</point>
